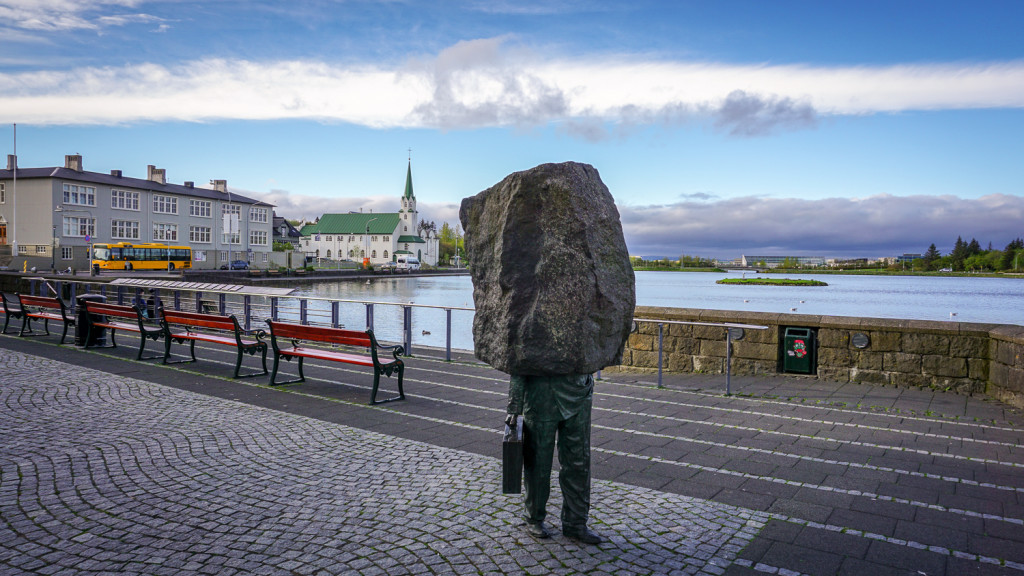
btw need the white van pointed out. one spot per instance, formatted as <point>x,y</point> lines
<point>407,264</point>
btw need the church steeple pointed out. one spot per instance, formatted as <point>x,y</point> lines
<point>408,183</point>
<point>410,216</point>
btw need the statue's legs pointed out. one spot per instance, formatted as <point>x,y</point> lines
<point>538,450</point>
<point>574,476</point>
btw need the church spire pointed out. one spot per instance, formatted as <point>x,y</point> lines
<point>408,183</point>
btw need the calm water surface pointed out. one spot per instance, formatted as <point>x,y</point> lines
<point>996,300</point>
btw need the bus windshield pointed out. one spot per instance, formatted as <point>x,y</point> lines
<point>101,253</point>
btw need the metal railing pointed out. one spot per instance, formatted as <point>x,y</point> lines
<point>247,307</point>
<point>730,333</point>
<point>312,310</point>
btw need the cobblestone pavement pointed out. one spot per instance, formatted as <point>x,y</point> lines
<point>109,464</point>
<point>100,473</point>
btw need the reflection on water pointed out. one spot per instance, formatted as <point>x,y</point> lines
<point>995,300</point>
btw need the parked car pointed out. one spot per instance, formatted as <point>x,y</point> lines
<point>236,265</point>
<point>407,264</point>
<point>387,268</point>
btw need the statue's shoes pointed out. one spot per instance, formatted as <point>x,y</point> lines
<point>583,535</point>
<point>537,530</point>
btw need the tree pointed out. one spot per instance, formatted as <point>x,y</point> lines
<point>931,257</point>
<point>1011,260</point>
<point>959,254</point>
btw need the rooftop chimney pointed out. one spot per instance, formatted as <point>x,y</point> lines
<point>220,185</point>
<point>12,161</point>
<point>154,174</point>
<point>73,162</point>
<point>115,173</point>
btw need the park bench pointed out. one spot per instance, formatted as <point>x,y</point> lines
<point>43,308</point>
<point>183,327</point>
<point>298,334</point>
<point>12,310</point>
<point>116,317</point>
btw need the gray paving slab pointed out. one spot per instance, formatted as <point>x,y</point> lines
<point>108,473</point>
<point>841,478</point>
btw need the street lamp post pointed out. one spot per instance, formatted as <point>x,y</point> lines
<point>366,254</point>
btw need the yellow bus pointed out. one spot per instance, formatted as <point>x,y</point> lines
<point>145,256</point>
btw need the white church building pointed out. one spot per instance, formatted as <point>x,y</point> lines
<point>378,236</point>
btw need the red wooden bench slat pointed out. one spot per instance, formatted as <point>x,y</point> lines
<point>323,354</point>
<point>322,334</point>
<point>199,320</point>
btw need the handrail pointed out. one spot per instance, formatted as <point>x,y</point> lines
<point>330,315</point>
<point>728,343</point>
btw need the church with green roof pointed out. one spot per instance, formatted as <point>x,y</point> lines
<point>379,236</point>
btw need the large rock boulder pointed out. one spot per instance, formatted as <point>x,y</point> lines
<point>552,281</point>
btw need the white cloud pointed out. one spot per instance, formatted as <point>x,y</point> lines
<point>63,15</point>
<point>483,83</point>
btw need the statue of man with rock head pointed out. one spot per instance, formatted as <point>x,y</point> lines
<point>554,294</point>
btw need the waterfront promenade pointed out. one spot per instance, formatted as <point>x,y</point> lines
<point>109,465</point>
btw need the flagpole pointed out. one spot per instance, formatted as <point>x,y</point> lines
<point>14,197</point>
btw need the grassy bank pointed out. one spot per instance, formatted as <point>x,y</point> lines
<point>771,282</point>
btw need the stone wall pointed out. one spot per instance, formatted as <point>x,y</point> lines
<point>952,356</point>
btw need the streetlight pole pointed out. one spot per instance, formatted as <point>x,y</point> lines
<point>366,254</point>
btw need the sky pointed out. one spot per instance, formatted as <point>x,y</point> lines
<point>721,128</point>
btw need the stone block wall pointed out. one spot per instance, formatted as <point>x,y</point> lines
<point>951,356</point>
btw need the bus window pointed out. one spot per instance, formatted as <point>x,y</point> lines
<point>101,254</point>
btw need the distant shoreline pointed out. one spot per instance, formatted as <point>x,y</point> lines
<point>842,272</point>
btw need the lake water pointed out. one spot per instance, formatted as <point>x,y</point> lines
<point>995,300</point>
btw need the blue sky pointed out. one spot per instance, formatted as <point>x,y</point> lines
<point>721,128</point>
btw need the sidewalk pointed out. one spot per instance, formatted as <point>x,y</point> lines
<point>143,469</point>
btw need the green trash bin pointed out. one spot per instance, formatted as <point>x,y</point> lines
<point>798,351</point>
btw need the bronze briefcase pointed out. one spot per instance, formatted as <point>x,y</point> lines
<point>512,458</point>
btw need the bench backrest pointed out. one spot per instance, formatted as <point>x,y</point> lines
<point>94,307</point>
<point>10,306</point>
<point>197,320</point>
<point>320,334</point>
<point>41,302</point>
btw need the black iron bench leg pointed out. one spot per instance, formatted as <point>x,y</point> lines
<point>277,361</point>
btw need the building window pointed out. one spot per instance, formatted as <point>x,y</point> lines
<point>22,249</point>
<point>259,215</point>
<point>385,254</point>
<point>266,257</point>
<point>124,229</point>
<point>79,195</point>
<point>42,249</point>
<point>373,254</point>
<point>67,253</point>
<point>79,227</point>
<point>165,232</point>
<point>330,239</point>
<point>200,234</point>
<point>124,200</point>
<point>234,238</point>
<point>3,194</point>
<point>258,237</point>
<point>200,208</point>
<point>328,253</point>
<point>231,209</point>
<point>165,204</point>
